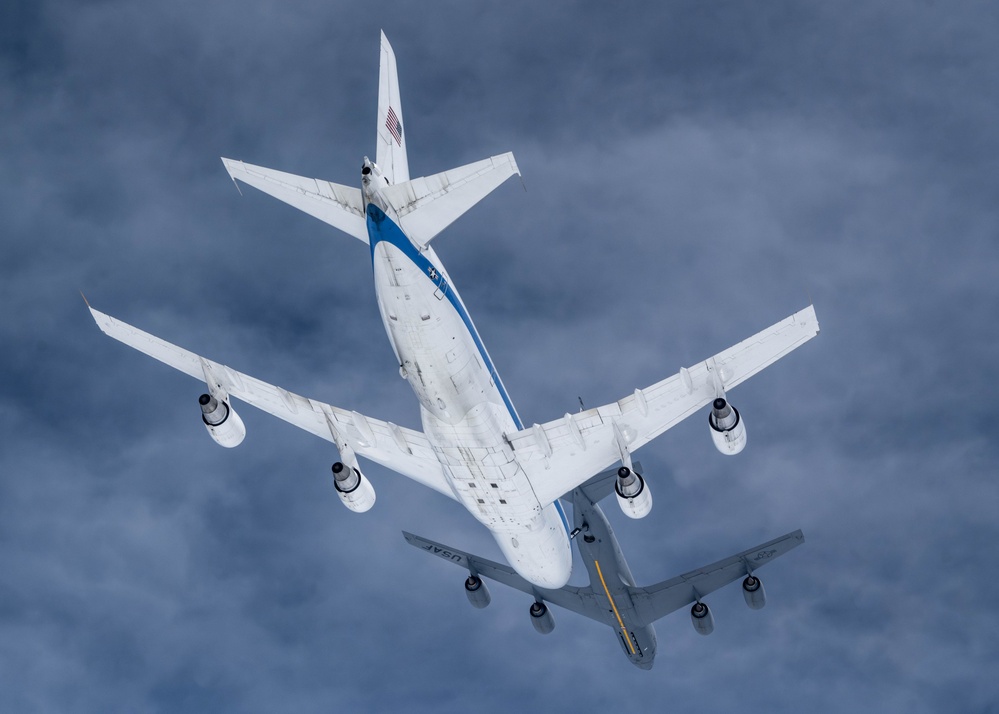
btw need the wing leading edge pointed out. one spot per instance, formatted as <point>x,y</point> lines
<point>405,451</point>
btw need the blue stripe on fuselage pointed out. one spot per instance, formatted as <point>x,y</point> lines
<point>382,228</point>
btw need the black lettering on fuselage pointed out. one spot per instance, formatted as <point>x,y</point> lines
<point>442,553</point>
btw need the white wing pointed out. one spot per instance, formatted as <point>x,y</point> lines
<point>340,206</point>
<point>403,450</point>
<point>562,454</point>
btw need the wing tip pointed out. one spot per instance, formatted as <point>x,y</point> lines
<point>103,321</point>
<point>229,164</point>
<point>807,317</point>
<point>386,46</point>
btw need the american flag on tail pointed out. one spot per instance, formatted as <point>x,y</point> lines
<point>394,126</point>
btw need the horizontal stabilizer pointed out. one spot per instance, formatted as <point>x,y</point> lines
<point>656,601</point>
<point>428,205</point>
<point>335,204</point>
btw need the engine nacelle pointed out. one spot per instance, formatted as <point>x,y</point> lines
<point>752,590</point>
<point>477,592</point>
<point>354,490</point>
<point>542,618</point>
<point>701,617</point>
<point>633,495</point>
<point>728,431</point>
<point>222,421</point>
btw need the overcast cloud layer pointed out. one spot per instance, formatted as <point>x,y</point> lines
<point>694,172</point>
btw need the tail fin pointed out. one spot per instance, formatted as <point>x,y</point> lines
<point>391,154</point>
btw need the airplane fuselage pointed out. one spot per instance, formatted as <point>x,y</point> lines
<point>465,409</point>
<point>610,578</point>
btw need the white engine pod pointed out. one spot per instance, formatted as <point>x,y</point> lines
<point>541,618</point>
<point>704,621</point>
<point>477,592</point>
<point>633,495</point>
<point>752,590</point>
<point>222,421</point>
<point>728,431</point>
<point>354,490</point>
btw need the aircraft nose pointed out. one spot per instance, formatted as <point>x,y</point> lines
<point>645,664</point>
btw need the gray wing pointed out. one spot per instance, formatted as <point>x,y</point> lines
<point>656,601</point>
<point>576,599</point>
<point>602,485</point>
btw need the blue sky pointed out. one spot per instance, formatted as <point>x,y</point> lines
<point>693,173</point>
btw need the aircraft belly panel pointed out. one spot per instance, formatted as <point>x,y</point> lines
<point>463,414</point>
<point>480,465</point>
<point>435,351</point>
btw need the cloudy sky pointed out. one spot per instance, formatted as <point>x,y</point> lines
<point>694,172</point>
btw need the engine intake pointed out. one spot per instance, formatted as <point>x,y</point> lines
<point>753,592</point>
<point>542,618</point>
<point>477,592</point>
<point>728,431</point>
<point>222,421</point>
<point>354,490</point>
<point>633,495</point>
<point>701,617</point>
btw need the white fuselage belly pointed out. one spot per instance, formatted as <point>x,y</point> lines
<point>463,406</point>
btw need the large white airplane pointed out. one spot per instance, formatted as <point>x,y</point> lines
<point>474,447</point>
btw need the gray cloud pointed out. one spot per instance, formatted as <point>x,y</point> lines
<point>693,173</point>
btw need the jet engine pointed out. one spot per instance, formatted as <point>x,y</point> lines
<point>633,495</point>
<point>704,621</point>
<point>728,431</point>
<point>541,618</point>
<point>222,421</point>
<point>354,490</point>
<point>752,590</point>
<point>477,592</point>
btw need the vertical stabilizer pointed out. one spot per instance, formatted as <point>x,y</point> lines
<point>391,155</point>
